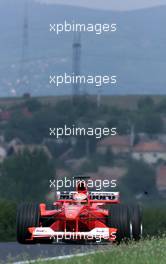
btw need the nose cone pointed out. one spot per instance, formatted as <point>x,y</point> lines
<point>72,211</point>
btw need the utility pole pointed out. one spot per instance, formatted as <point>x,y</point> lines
<point>98,97</point>
<point>76,64</point>
<point>23,78</point>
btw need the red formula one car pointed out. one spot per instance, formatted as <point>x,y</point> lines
<point>79,215</point>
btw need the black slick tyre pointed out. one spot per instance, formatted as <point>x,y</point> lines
<point>119,217</point>
<point>136,219</point>
<point>28,215</point>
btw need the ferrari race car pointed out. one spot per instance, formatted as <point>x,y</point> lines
<point>79,215</point>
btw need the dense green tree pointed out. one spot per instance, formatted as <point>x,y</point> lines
<point>26,176</point>
<point>161,106</point>
<point>139,179</point>
<point>146,103</point>
<point>7,220</point>
<point>150,123</point>
<point>109,156</point>
<point>33,104</point>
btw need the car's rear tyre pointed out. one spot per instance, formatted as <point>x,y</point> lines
<point>28,215</point>
<point>136,219</point>
<point>119,218</point>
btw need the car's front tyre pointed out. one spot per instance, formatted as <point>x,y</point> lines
<point>119,217</point>
<point>28,215</point>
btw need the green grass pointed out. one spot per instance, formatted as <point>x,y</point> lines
<point>145,252</point>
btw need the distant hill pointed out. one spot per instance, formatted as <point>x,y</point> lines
<point>107,4</point>
<point>135,53</point>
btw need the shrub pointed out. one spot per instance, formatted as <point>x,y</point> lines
<point>7,220</point>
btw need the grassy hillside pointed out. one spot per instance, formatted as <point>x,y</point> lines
<point>135,53</point>
<point>146,252</point>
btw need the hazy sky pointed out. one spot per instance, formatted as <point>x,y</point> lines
<point>110,4</point>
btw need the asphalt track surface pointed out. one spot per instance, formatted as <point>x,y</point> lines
<point>13,251</point>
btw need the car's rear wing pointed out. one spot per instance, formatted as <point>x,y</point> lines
<point>104,196</point>
<point>94,197</point>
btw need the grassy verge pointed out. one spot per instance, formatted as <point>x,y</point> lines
<point>151,251</point>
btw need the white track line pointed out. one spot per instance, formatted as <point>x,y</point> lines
<point>54,258</point>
